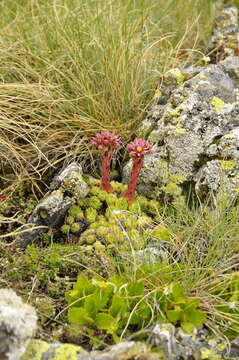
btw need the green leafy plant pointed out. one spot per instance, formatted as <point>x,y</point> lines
<point>121,305</point>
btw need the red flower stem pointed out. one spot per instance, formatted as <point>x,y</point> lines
<point>130,192</point>
<point>105,177</point>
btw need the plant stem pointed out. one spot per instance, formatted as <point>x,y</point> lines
<point>105,178</point>
<point>129,194</point>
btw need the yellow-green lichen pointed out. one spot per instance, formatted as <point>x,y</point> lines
<point>180,131</point>
<point>176,111</point>
<point>179,119</point>
<point>35,349</point>
<point>217,103</point>
<point>228,164</point>
<point>157,94</point>
<point>208,69</point>
<point>161,164</point>
<point>177,178</point>
<point>221,346</point>
<point>154,136</point>
<point>202,76</point>
<point>178,75</point>
<point>66,352</point>
<point>230,136</point>
<point>209,354</point>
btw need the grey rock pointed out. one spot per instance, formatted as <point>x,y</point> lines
<point>233,352</point>
<point>191,71</point>
<point>50,212</point>
<point>122,351</point>
<point>171,343</point>
<point>225,38</point>
<point>18,323</point>
<point>71,180</point>
<point>179,345</point>
<point>195,136</point>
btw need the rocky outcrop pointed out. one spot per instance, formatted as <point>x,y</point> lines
<point>195,135</point>
<point>123,351</point>
<point>168,343</point>
<point>17,325</point>
<point>178,345</point>
<point>225,38</point>
<point>67,186</point>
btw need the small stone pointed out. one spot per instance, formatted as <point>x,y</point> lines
<point>71,180</point>
<point>18,322</point>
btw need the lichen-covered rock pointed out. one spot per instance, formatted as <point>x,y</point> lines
<point>50,212</point>
<point>71,180</point>
<point>225,38</point>
<point>168,343</point>
<point>195,136</point>
<point>179,345</point>
<point>233,352</point>
<point>17,325</point>
<point>40,350</point>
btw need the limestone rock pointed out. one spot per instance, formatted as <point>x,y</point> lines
<point>195,136</point>
<point>17,325</point>
<point>179,345</point>
<point>71,180</point>
<point>122,351</point>
<point>169,343</point>
<point>49,213</point>
<point>225,38</point>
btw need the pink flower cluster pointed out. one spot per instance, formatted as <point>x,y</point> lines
<point>109,141</point>
<point>106,140</point>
